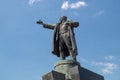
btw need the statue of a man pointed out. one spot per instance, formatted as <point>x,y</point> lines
<point>64,43</point>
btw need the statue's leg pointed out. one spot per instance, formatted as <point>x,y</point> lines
<point>67,41</point>
<point>62,56</point>
<point>61,43</point>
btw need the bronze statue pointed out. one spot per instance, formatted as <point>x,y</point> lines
<point>64,43</point>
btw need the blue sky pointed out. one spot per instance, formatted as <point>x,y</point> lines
<point>25,47</point>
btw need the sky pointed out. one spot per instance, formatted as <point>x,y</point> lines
<point>25,47</point>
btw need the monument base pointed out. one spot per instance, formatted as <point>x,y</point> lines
<point>71,70</point>
<point>53,75</point>
<point>68,67</point>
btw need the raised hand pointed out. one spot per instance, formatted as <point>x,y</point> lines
<point>40,22</point>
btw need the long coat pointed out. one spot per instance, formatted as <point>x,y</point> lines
<point>56,38</point>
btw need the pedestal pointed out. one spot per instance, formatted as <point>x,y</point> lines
<point>53,75</point>
<point>68,67</point>
<point>71,70</point>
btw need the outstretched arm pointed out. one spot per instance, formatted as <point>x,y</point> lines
<point>74,24</point>
<point>45,25</point>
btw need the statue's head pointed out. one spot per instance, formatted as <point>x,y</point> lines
<point>63,18</point>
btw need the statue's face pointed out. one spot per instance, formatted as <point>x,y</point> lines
<point>63,18</point>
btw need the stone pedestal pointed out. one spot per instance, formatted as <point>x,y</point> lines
<point>71,70</point>
<point>86,74</point>
<point>53,75</point>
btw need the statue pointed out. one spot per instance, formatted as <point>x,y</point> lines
<point>64,43</point>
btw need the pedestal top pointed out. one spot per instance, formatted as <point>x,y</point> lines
<point>62,62</point>
<point>65,66</point>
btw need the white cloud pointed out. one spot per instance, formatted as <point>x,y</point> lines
<point>65,5</point>
<point>31,2</point>
<point>107,68</point>
<point>99,13</point>
<point>109,57</point>
<point>76,5</point>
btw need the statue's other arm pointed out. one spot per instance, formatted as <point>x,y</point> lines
<point>45,25</point>
<point>48,26</point>
<point>74,24</point>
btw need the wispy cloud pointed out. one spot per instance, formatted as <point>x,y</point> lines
<point>66,5</point>
<point>31,2</point>
<point>99,13</point>
<point>107,68</point>
<point>110,57</point>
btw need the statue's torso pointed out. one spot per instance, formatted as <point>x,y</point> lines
<point>64,28</point>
